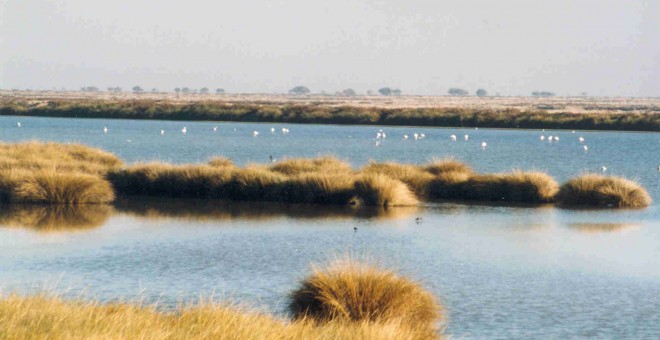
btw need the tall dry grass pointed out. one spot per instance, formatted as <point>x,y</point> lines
<point>53,187</point>
<point>603,191</point>
<point>413,176</point>
<point>42,317</point>
<point>325,164</point>
<point>381,190</point>
<point>319,188</point>
<point>56,156</point>
<point>352,291</point>
<point>160,179</point>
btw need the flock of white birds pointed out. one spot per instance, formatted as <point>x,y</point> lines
<point>381,136</point>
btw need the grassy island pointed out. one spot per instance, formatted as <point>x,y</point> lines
<point>50,173</point>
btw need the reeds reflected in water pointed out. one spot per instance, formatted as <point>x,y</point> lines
<point>55,217</point>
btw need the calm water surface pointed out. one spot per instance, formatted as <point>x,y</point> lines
<point>501,272</point>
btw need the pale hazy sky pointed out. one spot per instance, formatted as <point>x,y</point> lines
<point>602,47</point>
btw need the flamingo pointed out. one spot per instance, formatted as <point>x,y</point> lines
<point>484,145</point>
<point>603,168</point>
<point>542,137</point>
<point>405,137</point>
<point>466,137</point>
<point>215,129</point>
<point>586,148</point>
<point>18,124</point>
<point>272,130</point>
<point>422,136</point>
<point>184,130</point>
<point>453,138</point>
<point>415,136</point>
<point>105,128</point>
<point>581,139</point>
<point>255,133</point>
<point>162,132</point>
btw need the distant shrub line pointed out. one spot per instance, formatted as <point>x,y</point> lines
<point>324,114</point>
<point>75,174</point>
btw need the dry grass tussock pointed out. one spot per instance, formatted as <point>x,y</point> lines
<point>603,191</point>
<point>41,317</point>
<point>52,187</point>
<point>160,179</point>
<point>58,217</point>
<point>413,176</point>
<point>441,166</point>
<point>353,291</point>
<point>517,186</point>
<point>319,188</point>
<point>381,190</point>
<point>56,156</point>
<point>221,162</point>
<point>326,164</point>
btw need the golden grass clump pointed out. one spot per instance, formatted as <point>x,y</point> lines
<point>326,164</point>
<point>319,188</point>
<point>221,162</point>
<point>353,291</point>
<point>159,179</point>
<point>518,186</point>
<point>449,165</point>
<point>57,156</point>
<point>256,184</point>
<point>413,176</point>
<point>56,217</point>
<point>49,186</point>
<point>381,190</point>
<point>40,317</point>
<point>603,191</point>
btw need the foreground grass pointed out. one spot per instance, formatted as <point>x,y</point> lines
<point>43,317</point>
<point>325,180</point>
<point>349,300</point>
<point>291,112</point>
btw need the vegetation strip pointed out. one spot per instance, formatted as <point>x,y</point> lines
<point>210,110</point>
<point>383,306</point>
<point>75,174</point>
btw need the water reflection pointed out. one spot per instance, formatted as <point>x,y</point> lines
<point>59,217</point>
<point>211,210</point>
<point>602,227</point>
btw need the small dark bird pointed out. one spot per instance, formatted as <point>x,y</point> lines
<point>355,229</point>
<point>418,220</point>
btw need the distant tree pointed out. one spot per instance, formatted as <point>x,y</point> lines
<point>299,90</point>
<point>385,91</point>
<point>137,89</point>
<point>543,94</point>
<point>396,92</point>
<point>219,91</point>
<point>458,92</point>
<point>89,89</point>
<point>348,92</point>
<point>185,90</point>
<point>177,90</point>
<point>481,93</point>
<point>204,90</point>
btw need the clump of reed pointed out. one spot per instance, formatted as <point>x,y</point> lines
<point>159,179</point>
<point>353,291</point>
<point>517,186</point>
<point>449,165</point>
<point>413,176</point>
<point>56,156</point>
<point>42,316</point>
<point>221,162</point>
<point>325,164</point>
<point>256,184</point>
<point>381,190</point>
<point>319,188</point>
<point>52,187</point>
<point>603,191</point>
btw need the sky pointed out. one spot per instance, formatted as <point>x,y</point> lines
<point>601,47</point>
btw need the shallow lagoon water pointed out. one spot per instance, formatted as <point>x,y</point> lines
<point>514,272</point>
